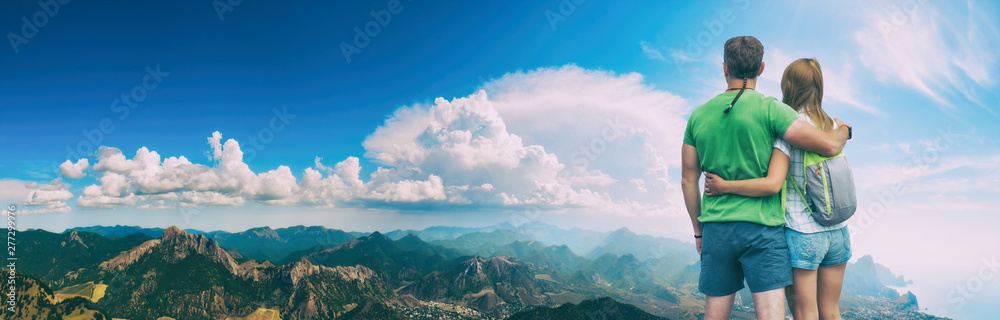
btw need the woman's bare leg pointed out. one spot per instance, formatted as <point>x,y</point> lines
<point>831,280</point>
<point>805,294</point>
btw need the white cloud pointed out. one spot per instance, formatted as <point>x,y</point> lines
<point>12,191</point>
<point>112,159</point>
<point>114,184</point>
<point>676,55</point>
<point>883,176</point>
<point>980,37</point>
<point>409,190</point>
<point>838,85</point>
<point>318,162</point>
<point>156,205</point>
<point>639,184</point>
<point>74,170</point>
<point>465,142</point>
<point>680,55</point>
<point>215,143</point>
<point>925,50</point>
<point>651,52</point>
<point>553,138</point>
<point>939,203</point>
<point>881,147</point>
<point>210,198</point>
<point>50,197</point>
<point>147,182</point>
<point>333,188</point>
<point>985,182</point>
<point>606,123</point>
<point>93,197</point>
<point>906,147</point>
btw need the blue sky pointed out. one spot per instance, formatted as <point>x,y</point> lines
<point>578,124</point>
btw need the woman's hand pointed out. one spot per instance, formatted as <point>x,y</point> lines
<point>715,185</point>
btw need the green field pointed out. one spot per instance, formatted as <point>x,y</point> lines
<point>546,277</point>
<point>566,297</point>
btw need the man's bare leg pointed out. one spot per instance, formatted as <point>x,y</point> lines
<point>719,308</point>
<point>770,305</point>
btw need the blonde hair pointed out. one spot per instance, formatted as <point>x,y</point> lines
<point>802,89</point>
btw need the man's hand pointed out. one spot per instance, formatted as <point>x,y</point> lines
<point>697,244</point>
<point>803,135</point>
<point>714,185</point>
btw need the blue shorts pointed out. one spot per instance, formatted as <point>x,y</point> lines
<point>822,249</point>
<point>734,251</point>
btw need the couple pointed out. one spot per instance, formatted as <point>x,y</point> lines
<point>747,144</point>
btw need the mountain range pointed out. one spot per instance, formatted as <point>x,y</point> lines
<point>496,272</point>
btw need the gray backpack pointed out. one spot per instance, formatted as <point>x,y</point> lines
<point>829,190</point>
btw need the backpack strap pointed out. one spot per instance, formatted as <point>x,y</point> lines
<point>801,195</point>
<point>826,191</point>
<point>784,198</point>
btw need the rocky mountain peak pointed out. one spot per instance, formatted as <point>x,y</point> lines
<point>473,273</point>
<point>175,245</point>
<point>378,236</point>
<point>265,232</point>
<point>411,236</point>
<point>295,271</point>
<point>500,266</point>
<point>130,256</point>
<point>621,233</point>
<point>74,237</point>
<point>172,232</point>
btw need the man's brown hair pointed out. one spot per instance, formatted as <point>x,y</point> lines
<point>743,56</point>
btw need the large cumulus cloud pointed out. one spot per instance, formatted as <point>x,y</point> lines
<point>466,143</point>
<point>553,139</point>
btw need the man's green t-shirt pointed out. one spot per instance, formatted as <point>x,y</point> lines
<point>738,146</point>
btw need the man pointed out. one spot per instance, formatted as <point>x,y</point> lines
<point>732,135</point>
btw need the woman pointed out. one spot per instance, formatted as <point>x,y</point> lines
<point>819,253</point>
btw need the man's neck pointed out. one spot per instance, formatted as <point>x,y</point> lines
<point>738,83</point>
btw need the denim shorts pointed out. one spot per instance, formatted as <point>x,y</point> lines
<point>822,249</point>
<point>734,251</point>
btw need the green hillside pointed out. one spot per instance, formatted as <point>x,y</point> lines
<point>602,308</point>
<point>57,257</point>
